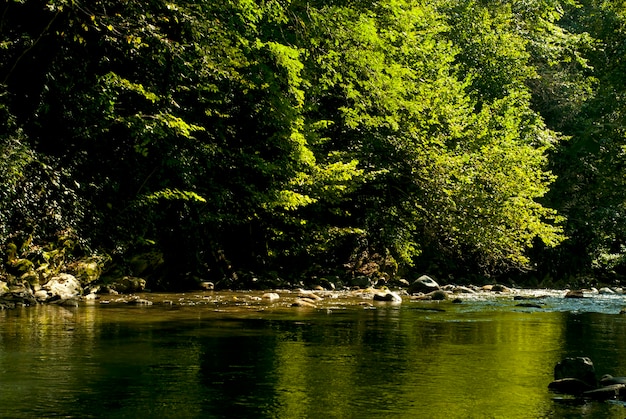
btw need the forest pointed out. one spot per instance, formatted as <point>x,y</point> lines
<point>257,141</point>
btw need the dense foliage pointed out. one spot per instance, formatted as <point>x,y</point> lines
<point>249,139</point>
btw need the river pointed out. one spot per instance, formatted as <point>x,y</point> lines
<point>235,355</point>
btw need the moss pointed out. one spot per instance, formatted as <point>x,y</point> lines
<point>89,269</point>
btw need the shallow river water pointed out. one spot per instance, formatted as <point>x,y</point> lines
<point>235,355</point>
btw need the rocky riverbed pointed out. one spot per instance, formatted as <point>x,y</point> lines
<point>423,293</point>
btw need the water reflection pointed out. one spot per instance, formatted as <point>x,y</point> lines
<point>384,361</point>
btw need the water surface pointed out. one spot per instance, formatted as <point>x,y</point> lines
<point>236,356</point>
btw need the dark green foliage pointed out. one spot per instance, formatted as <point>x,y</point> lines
<point>291,139</point>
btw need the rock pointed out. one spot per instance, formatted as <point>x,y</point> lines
<point>303,302</point>
<point>90,297</point>
<point>423,284</point>
<point>609,392</point>
<point>500,288</point>
<point>42,295</point>
<point>128,285</point>
<point>398,283</point>
<point>572,386</point>
<point>17,297</point>
<point>580,368</point>
<point>144,264</point>
<point>608,380</point>
<point>70,302</point>
<point>100,289</point>
<point>606,290</point>
<point>31,277</point>
<point>137,301</point>
<point>63,287</point>
<point>310,295</point>
<point>575,294</point>
<point>327,285</point>
<point>272,296</point>
<point>18,288</point>
<point>361,282</point>
<point>207,286</point>
<point>463,290</point>
<point>4,288</point>
<point>87,270</point>
<point>386,295</point>
<point>438,295</point>
<point>6,305</point>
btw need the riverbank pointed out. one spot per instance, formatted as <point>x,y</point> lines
<point>67,294</point>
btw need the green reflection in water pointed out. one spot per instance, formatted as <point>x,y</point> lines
<point>386,361</point>
<point>391,361</point>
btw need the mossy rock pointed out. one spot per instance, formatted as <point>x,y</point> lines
<point>127,284</point>
<point>87,270</point>
<point>21,266</point>
<point>31,278</point>
<point>144,264</point>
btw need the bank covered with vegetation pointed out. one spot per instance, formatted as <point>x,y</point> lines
<point>243,141</point>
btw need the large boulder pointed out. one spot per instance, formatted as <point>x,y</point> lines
<point>62,286</point>
<point>580,368</point>
<point>423,284</point>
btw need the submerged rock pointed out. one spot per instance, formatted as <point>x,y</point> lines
<point>463,290</point>
<point>271,296</point>
<point>310,295</point>
<point>608,380</point>
<point>609,392</point>
<point>580,368</point>
<point>384,294</point>
<point>438,295</point>
<point>304,302</point>
<point>572,386</point>
<point>576,377</point>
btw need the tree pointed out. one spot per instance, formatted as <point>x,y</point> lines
<point>452,167</point>
<point>590,166</point>
<point>279,137</point>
